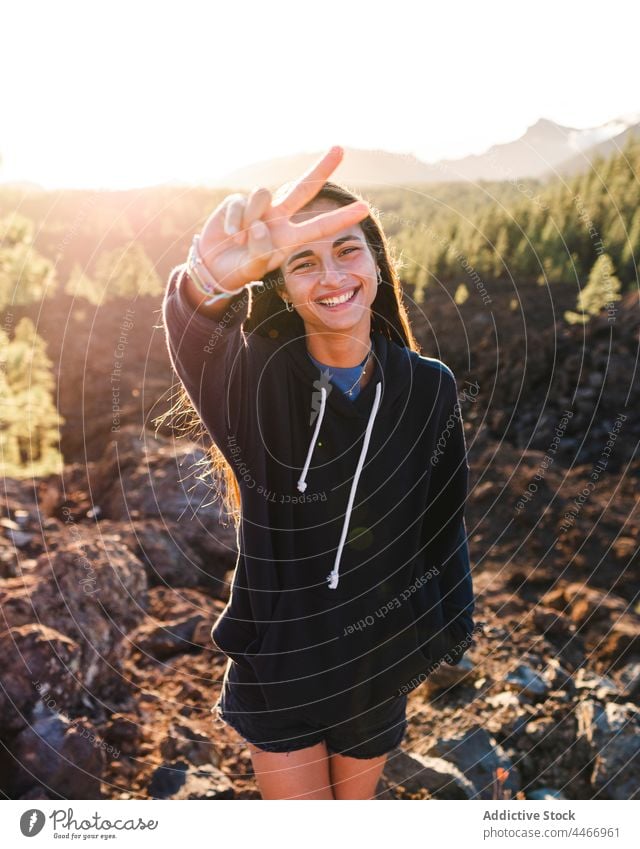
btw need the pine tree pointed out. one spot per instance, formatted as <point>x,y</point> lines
<point>80,285</point>
<point>29,420</point>
<point>630,258</point>
<point>9,416</point>
<point>602,288</point>
<point>126,273</point>
<point>25,275</point>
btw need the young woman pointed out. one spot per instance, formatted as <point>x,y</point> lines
<point>344,455</point>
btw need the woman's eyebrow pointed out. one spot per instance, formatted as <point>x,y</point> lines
<point>337,242</point>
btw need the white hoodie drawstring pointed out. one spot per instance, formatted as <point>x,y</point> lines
<point>334,575</point>
<point>302,485</point>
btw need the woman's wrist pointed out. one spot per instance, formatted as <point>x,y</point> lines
<point>193,296</point>
<point>202,277</point>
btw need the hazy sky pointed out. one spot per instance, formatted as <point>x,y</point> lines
<point>126,94</point>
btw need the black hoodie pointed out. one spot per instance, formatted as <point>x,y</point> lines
<point>353,577</point>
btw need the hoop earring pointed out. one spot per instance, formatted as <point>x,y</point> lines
<point>379,276</point>
<point>286,303</point>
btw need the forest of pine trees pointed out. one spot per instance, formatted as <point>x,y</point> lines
<point>551,233</point>
<point>583,231</point>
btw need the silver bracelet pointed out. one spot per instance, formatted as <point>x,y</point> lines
<point>202,277</point>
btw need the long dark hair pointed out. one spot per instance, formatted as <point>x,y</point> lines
<point>268,317</point>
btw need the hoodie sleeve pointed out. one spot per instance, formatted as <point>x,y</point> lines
<point>445,533</point>
<point>212,359</point>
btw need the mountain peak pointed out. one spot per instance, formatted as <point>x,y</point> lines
<point>545,125</point>
<point>541,123</point>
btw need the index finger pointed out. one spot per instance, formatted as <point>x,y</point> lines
<point>309,184</point>
<point>328,223</point>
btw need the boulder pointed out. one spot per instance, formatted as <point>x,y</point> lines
<point>179,780</point>
<point>64,756</point>
<point>183,741</point>
<point>478,756</point>
<point>168,639</point>
<point>609,736</point>
<point>440,777</point>
<point>37,664</point>
<point>93,590</point>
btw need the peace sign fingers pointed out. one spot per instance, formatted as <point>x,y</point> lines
<point>244,238</point>
<point>286,234</point>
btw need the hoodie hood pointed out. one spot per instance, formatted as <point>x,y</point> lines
<point>393,370</point>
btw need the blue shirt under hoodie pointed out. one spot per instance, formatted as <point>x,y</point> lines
<point>353,576</point>
<point>346,379</point>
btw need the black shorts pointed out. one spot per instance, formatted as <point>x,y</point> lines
<point>241,705</point>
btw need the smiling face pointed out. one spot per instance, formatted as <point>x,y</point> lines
<point>341,269</point>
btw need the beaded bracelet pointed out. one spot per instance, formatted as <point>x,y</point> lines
<point>202,277</point>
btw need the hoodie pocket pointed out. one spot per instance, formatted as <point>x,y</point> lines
<point>234,638</point>
<point>268,635</point>
<point>305,661</point>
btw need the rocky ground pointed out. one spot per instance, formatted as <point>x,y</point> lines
<point>112,576</point>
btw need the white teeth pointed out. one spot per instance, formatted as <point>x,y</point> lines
<point>333,301</point>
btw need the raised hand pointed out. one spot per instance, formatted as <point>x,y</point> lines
<point>246,237</point>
